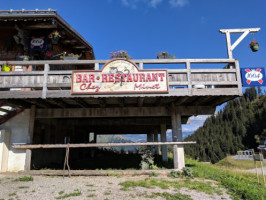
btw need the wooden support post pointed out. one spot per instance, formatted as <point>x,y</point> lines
<point>163,139</point>
<point>228,43</point>
<point>155,136</point>
<point>4,149</point>
<point>149,137</point>
<point>189,78</point>
<point>141,65</point>
<point>28,160</point>
<point>45,80</point>
<point>31,123</point>
<point>262,169</point>
<point>96,66</point>
<point>179,158</point>
<point>95,137</point>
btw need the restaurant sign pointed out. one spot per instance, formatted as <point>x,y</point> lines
<point>119,76</point>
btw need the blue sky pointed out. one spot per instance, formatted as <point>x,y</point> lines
<point>185,28</point>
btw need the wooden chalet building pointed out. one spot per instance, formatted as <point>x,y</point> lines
<point>54,100</point>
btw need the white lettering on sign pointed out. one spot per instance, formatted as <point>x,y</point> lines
<point>37,42</point>
<point>254,75</point>
<point>119,76</point>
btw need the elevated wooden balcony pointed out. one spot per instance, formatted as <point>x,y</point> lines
<point>51,87</point>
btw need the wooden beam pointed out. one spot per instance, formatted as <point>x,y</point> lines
<point>81,102</point>
<point>158,101</point>
<point>140,101</point>
<point>163,172</point>
<point>241,30</point>
<point>59,102</point>
<point>102,102</point>
<point>122,112</point>
<point>51,146</point>
<point>40,102</point>
<point>180,101</point>
<point>146,61</point>
<point>41,26</point>
<point>121,102</point>
<point>172,92</point>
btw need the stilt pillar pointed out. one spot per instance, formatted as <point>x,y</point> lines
<point>149,137</point>
<point>95,137</point>
<point>155,136</point>
<point>163,139</point>
<point>27,166</point>
<point>179,158</point>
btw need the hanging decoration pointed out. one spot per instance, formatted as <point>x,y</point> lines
<point>254,45</point>
<point>54,36</point>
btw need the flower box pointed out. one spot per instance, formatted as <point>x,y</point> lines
<point>71,58</point>
<point>166,57</point>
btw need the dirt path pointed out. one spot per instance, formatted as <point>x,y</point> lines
<point>90,187</point>
<point>259,170</point>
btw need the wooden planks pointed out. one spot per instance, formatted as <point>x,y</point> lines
<point>121,112</point>
<point>51,146</point>
<point>56,84</point>
<point>95,172</point>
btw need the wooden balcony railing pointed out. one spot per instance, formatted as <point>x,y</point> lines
<point>54,83</point>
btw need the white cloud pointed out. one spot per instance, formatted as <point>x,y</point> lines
<point>130,3</point>
<point>199,118</point>
<point>178,3</point>
<point>154,3</point>
<point>134,3</point>
<point>202,19</point>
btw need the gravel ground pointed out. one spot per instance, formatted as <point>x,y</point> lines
<point>91,187</point>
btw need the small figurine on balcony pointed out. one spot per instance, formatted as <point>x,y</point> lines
<point>54,36</point>
<point>254,45</point>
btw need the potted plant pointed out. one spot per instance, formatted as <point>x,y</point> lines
<point>6,67</point>
<point>254,45</point>
<point>119,54</point>
<point>70,56</point>
<point>54,36</point>
<point>165,55</point>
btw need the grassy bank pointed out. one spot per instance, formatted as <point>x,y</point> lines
<point>230,163</point>
<point>240,185</point>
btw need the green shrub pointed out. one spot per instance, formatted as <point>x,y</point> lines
<point>187,172</point>
<point>153,174</point>
<point>174,174</point>
<point>147,159</point>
